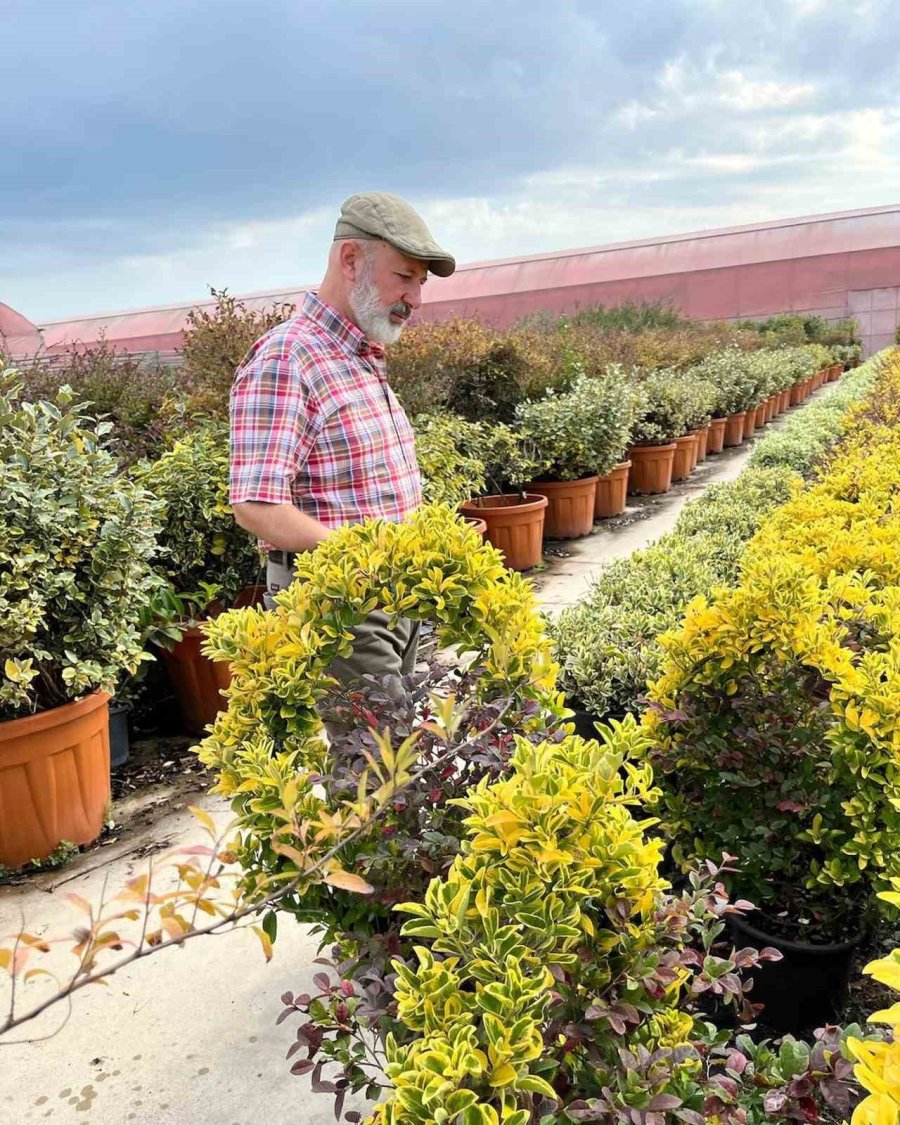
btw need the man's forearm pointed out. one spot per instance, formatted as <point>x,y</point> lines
<point>282,525</point>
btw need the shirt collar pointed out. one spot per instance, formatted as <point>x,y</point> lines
<point>347,334</point>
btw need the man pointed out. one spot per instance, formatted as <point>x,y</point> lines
<point>318,438</point>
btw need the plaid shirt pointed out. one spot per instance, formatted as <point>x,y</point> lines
<point>314,423</point>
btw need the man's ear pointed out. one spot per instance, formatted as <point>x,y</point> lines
<point>350,256</point>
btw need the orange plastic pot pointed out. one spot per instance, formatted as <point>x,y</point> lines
<point>796,394</point>
<point>612,490</point>
<point>197,681</point>
<point>683,464</point>
<point>515,527</point>
<point>734,428</point>
<point>834,372</point>
<point>651,469</point>
<point>54,778</point>
<point>784,400</point>
<point>750,422</point>
<point>760,419</point>
<point>479,525</point>
<point>702,443</point>
<point>570,506</point>
<point>716,438</point>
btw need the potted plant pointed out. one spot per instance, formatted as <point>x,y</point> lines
<point>575,437</point>
<point>209,563</point>
<point>660,419</point>
<point>75,549</point>
<point>514,518</point>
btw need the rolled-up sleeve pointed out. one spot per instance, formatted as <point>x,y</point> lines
<point>274,421</point>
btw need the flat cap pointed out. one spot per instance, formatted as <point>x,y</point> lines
<point>376,214</point>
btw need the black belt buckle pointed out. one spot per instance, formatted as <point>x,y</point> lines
<point>283,558</point>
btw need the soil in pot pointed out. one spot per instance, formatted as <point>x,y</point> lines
<point>570,506</point>
<point>651,469</point>
<point>804,990</point>
<point>54,779</point>
<point>612,491</point>
<point>683,464</point>
<point>514,526</point>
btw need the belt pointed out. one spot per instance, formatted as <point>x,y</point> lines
<point>283,558</point>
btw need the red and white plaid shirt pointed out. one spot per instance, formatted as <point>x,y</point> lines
<point>314,422</point>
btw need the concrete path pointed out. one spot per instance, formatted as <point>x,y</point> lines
<point>189,1035</point>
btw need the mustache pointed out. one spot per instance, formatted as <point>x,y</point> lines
<point>401,309</point>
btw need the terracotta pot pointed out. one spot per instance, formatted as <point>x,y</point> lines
<point>570,506</point>
<point>695,449</point>
<point>250,595</point>
<point>684,457</point>
<point>479,525</point>
<point>795,394</point>
<point>808,387</point>
<point>750,422</point>
<point>702,443</point>
<point>834,373</point>
<point>760,419</point>
<point>54,778</point>
<point>514,527</point>
<point>197,681</point>
<point>771,407</point>
<point>612,489</point>
<point>651,469</point>
<point>785,402</point>
<point>716,439</point>
<point>734,428</point>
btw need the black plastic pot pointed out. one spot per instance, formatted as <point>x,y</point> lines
<point>585,722</point>
<point>118,734</point>
<point>807,988</point>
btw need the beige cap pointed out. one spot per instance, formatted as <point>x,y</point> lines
<point>376,214</point>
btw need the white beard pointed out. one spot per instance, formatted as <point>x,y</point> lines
<point>371,316</point>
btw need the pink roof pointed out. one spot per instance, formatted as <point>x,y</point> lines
<point>809,264</point>
<point>18,336</point>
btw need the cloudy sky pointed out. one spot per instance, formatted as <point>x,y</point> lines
<point>154,148</point>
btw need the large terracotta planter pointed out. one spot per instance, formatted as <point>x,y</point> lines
<point>716,439</point>
<point>478,525</point>
<point>197,681</point>
<point>612,490</point>
<point>796,394</point>
<point>514,527</point>
<point>702,443</point>
<point>771,403</point>
<point>750,422</point>
<point>734,428</point>
<point>683,464</point>
<point>570,506</point>
<point>651,469</point>
<point>54,779</point>
<point>785,400</point>
<point>834,372</point>
<point>760,419</point>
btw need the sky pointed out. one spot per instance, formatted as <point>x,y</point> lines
<point>151,150</point>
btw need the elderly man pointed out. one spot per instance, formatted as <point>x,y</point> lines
<point>318,438</point>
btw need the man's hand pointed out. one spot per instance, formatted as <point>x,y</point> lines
<point>282,525</point>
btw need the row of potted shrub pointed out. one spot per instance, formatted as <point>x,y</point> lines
<point>569,458</point>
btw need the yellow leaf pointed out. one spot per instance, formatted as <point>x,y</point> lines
<point>347,882</point>
<point>265,941</point>
<point>205,819</point>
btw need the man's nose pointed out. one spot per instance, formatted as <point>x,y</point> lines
<point>413,295</point>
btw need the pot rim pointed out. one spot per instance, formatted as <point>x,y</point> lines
<point>54,716</point>
<point>739,921</point>
<point>533,501</point>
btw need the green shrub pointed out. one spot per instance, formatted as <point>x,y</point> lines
<point>450,475</point>
<point>76,540</point>
<point>138,397</point>
<point>729,372</point>
<point>580,433</point>
<point>205,554</point>
<point>664,405</point>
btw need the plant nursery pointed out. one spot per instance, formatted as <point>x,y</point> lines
<point>635,863</point>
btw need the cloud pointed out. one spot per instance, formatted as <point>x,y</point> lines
<point>154,149</point>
